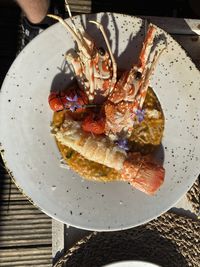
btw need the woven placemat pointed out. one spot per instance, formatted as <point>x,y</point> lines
<point>168,241</point>
<point>193,195</point>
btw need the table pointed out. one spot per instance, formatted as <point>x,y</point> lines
<point>187,33</point>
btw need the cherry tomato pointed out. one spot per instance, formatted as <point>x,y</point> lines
<point>89,124</point>
<point>56,102</point>
<point>65,100</point>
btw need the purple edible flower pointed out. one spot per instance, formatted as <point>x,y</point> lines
<point>140,114</point>
<point>73,106</point>
<point>72,99</point>
<point>122,143</point>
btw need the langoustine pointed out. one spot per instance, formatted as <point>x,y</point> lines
<point>126,100</point>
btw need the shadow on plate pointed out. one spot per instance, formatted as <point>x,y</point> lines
<point>63,78</point>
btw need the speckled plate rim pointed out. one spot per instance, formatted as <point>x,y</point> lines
<point>55,217</point>
<point>76,225</point>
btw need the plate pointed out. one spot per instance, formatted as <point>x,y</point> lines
<point>131,264</point>
<point>31,154</point>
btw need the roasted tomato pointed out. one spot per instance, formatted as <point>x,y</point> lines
<point>93,124</point>
<point>56,101</point>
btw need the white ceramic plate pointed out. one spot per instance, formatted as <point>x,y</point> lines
<point>131,264</point>
<point>30,151</point>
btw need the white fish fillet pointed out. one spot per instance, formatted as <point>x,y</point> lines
<point>96,148</point>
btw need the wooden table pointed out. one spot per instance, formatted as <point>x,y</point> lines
<point>186,32</point>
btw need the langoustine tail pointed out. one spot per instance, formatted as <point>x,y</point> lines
<point>143,174</point>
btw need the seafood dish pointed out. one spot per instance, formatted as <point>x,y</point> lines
<point>108,122</point>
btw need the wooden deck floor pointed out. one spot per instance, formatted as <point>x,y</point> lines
<point>25,232</point>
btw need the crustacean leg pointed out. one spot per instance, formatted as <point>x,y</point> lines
<point>84,49</point>
<point>114,64</point>
<point>147,68</point>
<point>81,61</point>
